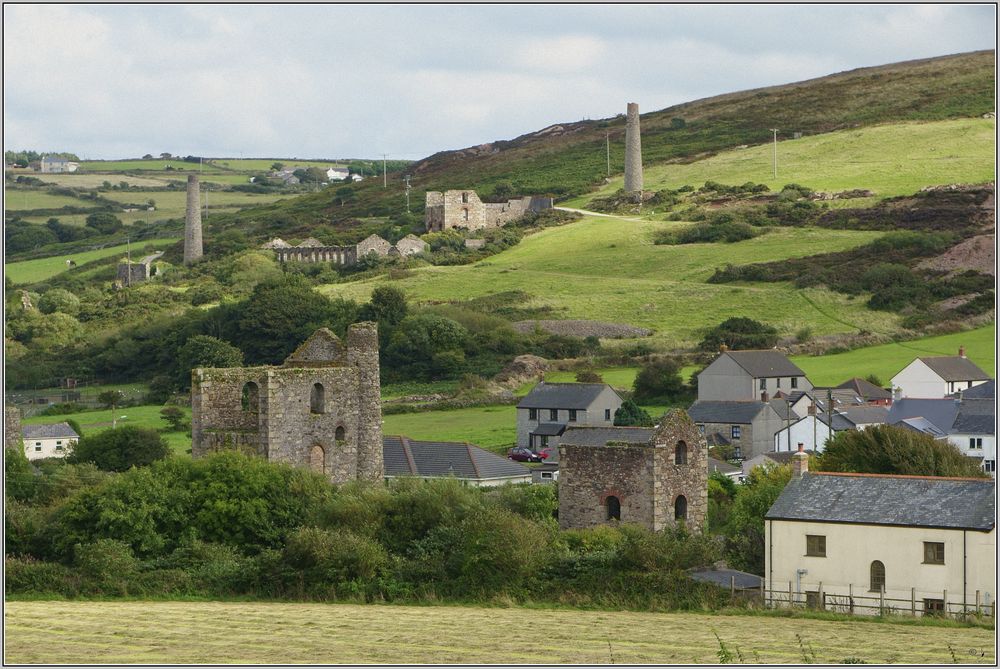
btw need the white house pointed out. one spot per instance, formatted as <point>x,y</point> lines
<point>54,165</point>
<point>938,376</point>
<point>336,174</point>
<point>865,542</point>
<point>53,440</point>
<point>813,430</point>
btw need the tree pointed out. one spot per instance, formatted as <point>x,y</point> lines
<point>387,306</point>
<point>110,399</point>
<point>165,156</point>
<point>745,530</point>
<point>677,123</point>
<point>104,222</point>
<point>120,449</point>
<point>205,351</point>
<point>277,167</point>
<point>660,379</point>
<point>148,156</point>
<point>739,334</point>
<point>631,414</point>
<point>61,300</point>
<point>345,194</point>
<point>428,344</point>
<point>588,376</point>
<point>175,418</point>
<point>886,449</point>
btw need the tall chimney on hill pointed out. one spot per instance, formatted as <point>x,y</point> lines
<point>633,152</point>
<point>192,221</point>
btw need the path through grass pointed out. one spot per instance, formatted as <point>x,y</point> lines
<point>280,633</point>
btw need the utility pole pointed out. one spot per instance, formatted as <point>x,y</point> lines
<point>775,152</point>
<point>407,177</point>
<point>384,182</point>
<point>128,261</point>
<point>607,144</point>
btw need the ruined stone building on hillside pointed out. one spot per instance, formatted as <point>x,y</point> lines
<point>320,409</point>
<point>463,209</point>
<point>312,250</point>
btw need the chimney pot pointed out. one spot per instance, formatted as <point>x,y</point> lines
<point>763,396</point>
<point>800,462</point>
<point>812,409</point>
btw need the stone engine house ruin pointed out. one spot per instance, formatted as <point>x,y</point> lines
<point>464,209</point>
<point>320,409</point>
<point>655,478</point>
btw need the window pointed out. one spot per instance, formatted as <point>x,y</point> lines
<point>465,198</point>
<point>933,552</point>
<point>975,443</point>
<point>340,434</point>
<point>681,453</point>
<point>735,432</point>
<point>572,415</point>
<point>38,443</point>
<point>701,429</point>
<point>250,400</point>
<point>607,414</point>
<point>546,475</point>
<point>532,414</point>
<point>317,458</point>
<point>465,214</point>
<point>317,399</point>
<point>545,441</point>
<point>614,508</point>
<point>763,384</point>
<point>38,448</point>
<point>779,383</point>
<point>989,466</point>
<point>58,447</point>
<point>553,414</point>
<point>877,572</point>
<point>795,382</point>
<point>933,607</point>
<point>680,508</point>
<point>816,545</point>
<point>58,443</point>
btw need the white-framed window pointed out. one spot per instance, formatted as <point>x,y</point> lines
<point>546,475</point>
<point>989,466</point>
<point>975,443</point>
<point>607,414</point>
<point>735,431</point>
<point>763,384</point>
<point>795,382</point>
<point>701,429</point>
<point>553,414</point>
<point>532,414</point>
<point>778,382</point>
<point>38,443</point>
<point>572,415</point>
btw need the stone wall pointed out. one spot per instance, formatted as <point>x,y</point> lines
<point>132,273</point>
<point>321,409</point>
<point>463,209</point>
<point>345,256</point>
<point>12,427</point>
<point>645,478</point>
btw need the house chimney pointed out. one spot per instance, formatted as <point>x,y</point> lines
<point>812,409</point>
<point>961,351</point>
<point>800,463</point>
<point>763,396</point>
<point>723,348</point>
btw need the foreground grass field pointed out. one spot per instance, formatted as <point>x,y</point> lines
<point>93,422</point>
<point>30,271</point>
<point>278,633</point>
<point>895,159</point>
<point>608,269</point>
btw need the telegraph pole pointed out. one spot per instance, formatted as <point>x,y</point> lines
<point>128,261</point>
<point>607,144</point>
<point>775,152</point>
<point>407,177</point>
<point>384,182</point>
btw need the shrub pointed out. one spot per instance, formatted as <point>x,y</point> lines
<point>28,575</point>
<point>61,300</point>
<point>631,414</point>
<point>588,376</point>
<point>739,333</point>
<point>886,449</point>
<point>119,449</point>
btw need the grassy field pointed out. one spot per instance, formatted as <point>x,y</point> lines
<point>608,269</point>
<point>264,164</point>
<point>490,427</point>
<point>886,360</point>
<point>280,633</point>
<point>23,200</point>
<point>895,159</point>
<point>92,422</point>
<point>30,271</point>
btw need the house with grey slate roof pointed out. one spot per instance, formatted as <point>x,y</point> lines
<point>749,426</point>
<point>469,464</point>
<point>814,430</point>
<point>867,391</point>
<point>52,440</point>
<point>747,376</point>
<point>967,421</point>
<point>550,409</point>
<point>848,542</point>
<point>933,377</point>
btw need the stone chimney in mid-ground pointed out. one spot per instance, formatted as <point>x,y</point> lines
<point>192,221</point>
<point>633,151</point>
<point>961,351</point>
<point>800,463</point>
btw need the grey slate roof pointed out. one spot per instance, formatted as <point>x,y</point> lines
<point>549,429</point>
<point>49,431</point>
<point>866,389</point>
<point>725,578</point>
<point>562,395</point>
<point>909,501</point>
<point>840,421</point>
<point>599,436</point>
<point>985,391</point>
<point>975,416</point>
<point>721,467</point>
<point>765,363</point>
<point>782,408</point>
<point>865,414</point>
<point>716,411</point>
<point>940,412</point>
<point>407,457</point>
<point>921,425</point>
<point>955,368</point>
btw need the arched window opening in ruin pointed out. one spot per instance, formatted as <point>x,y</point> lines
<point>250,400</point>
<point>681,453</point>
<point>465,214</point>
<point>317,459</point>
<point>465,198</point>
<point>317,399</point>
<point>877,576</point>
<point>614,508</point>
<point>680,508</point>
<point>341,434</point>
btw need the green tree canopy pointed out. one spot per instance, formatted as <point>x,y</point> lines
<point>631,414</point>
<point>887,449</point>
<point>205,351</point>
<point>660,379</point>
<point>739,334</point>
<point>745,529</point>
<point>61,300</point>
<point>104,222</point>
<point>120,449</point>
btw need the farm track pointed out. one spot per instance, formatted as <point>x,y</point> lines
<point>217,632</point>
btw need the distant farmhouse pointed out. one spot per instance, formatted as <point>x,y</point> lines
<point>867,543</point>
<point>550,408</point>
<point>313,250</point>
<point>938,376</point>
<point>54,165</point>
<point>463,209</point>
<point>53,440</point>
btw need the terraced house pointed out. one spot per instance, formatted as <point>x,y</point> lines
<point>545,413</point>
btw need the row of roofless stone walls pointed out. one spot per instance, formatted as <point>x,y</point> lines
<point>339,255</point>
<point>463,209</point>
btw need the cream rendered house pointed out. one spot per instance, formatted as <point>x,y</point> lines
<point>54,440</point>
<point>858,542</point>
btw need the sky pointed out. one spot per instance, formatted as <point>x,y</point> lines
<point>357,81</point>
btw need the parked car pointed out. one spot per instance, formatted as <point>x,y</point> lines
<point>523,454</point>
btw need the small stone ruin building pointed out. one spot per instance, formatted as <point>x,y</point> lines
<point>320,409</point>
<point>654,478</point>
<point>129,274</point>
<point>313,250</point>
<point>463,209</point>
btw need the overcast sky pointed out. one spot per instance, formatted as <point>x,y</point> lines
<point>330,81</point>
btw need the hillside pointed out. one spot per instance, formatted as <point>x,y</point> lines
<point>568,158</point>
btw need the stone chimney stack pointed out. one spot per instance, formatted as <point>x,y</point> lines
<point>763,396</point>
<point>192,221</point>
<point>800,463</point>
<point>633,151</point>
<point>723,348</point>
<point>812,409</point>
<point>961,351</point>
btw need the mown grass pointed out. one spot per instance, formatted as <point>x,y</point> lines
<point>31,271</point>
<point>95,422</point>
<point>23,199</point>
<point>154,632</point>
<point>895,159</point>
<point>608,269</point>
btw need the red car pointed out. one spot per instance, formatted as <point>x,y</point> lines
<point>524,454</point>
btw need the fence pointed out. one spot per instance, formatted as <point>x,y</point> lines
<point>862,601</point>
